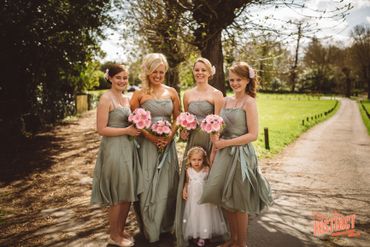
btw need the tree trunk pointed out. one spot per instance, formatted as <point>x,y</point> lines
<point>212,50</point>
<point>346,72</point>
<point>293,70</point>
<point>172,77</point>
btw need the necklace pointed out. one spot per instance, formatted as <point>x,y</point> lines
<point>236,101</point>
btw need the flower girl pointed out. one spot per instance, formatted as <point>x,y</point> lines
<point>201,221</point>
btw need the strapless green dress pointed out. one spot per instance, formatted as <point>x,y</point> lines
<point>117,174</point>
<point>235,181</point>
<point>160,173</point>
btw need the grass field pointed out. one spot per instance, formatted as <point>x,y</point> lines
<point>366,104</point>
<point>283,115</point>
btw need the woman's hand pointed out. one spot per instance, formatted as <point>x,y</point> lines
<point>150,137</point>
<point>132,131</point>
<point>220,144</point>
<point>164,141</point>
<point>184,134</point>
<point>161,142</point>
<point>214,137</point>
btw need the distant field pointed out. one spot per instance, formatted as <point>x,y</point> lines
<point>283,115</point>
<point>366,104</point>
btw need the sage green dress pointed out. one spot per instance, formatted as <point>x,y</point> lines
<point>117,169</point>
<point>155,209</point>
<point>235,181</point>
<point>197,137</point>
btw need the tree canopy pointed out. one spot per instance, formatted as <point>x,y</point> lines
<point>45,47</point>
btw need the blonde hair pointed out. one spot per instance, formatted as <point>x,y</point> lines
<point>192,151</point>
<point>151,62</point>
<point>207,63</point>
<point>243,70</point>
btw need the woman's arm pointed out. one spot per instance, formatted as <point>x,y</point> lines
<point>218,100</point>
<point>185,101</point>
<point>175,113</point>
<point>184,134</point>
<point>185,189</point>
<point>135,100</point>
<point>102,116</point>
<point>252,125</point>
<point>212,155</point>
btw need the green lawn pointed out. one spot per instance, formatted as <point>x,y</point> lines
<point>366,104</point>
<point>283,115</point>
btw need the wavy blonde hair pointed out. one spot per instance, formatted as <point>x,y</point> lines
<point>242,70</point>
<point>208,65</point>
<point>151,61</point>
<point>192,151</point>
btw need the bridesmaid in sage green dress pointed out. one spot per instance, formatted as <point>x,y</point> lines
<point>235,181</point>
<point>155,209</point>
<point>201,100</point>
<point>116,182</point>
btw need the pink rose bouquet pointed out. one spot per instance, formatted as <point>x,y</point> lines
<point>186,121</point>
<point>212,124</point>
<point>161,128</point>
<point>140,118</point>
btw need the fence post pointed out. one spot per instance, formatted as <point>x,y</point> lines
<point>81,103</point>
<point>267,144</point>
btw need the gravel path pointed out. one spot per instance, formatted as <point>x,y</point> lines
<point>327,169</point>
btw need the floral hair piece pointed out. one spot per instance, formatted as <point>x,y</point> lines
<point>106,75</point>
<point>213,70</point>
<point>251,72</point>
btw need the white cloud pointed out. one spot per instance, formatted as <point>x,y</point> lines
<point>368,19</point>
<point>361,3</point>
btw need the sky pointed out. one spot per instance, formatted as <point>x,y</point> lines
<point>334,31</point>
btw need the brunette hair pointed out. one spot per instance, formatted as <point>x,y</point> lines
<point>114,69</point>
<point>244,70</point>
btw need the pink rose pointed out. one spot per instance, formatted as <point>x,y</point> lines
<point>212,124</point>
<point>141,118</point>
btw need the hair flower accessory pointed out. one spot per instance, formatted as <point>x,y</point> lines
<point>251,72</point>
<point>106,74</point>
<point>213,70</point>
